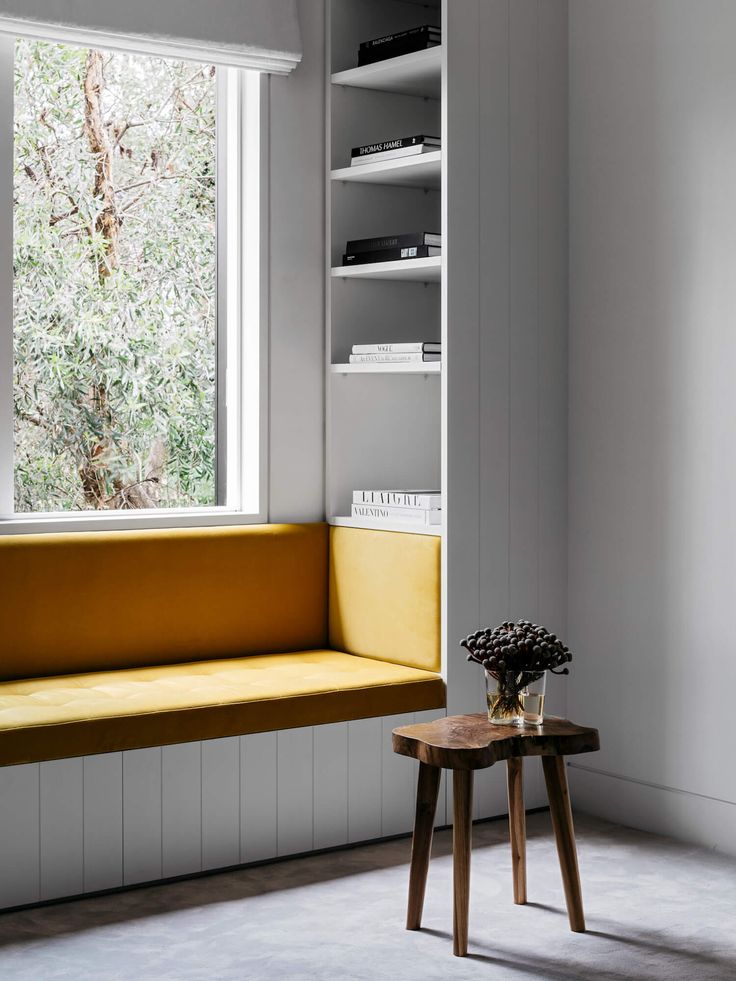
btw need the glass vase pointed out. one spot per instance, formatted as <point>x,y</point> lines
<point>516,699</point>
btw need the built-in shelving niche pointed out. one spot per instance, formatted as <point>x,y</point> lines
<point>384,425</point>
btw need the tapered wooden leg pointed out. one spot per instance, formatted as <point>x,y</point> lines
<point>421,845</point>
<point>559,806</point>
<point>462,795</point>
<point>517,827</point>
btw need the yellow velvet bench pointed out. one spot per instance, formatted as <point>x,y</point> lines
<point>120,640</point>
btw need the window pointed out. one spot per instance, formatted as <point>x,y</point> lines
<point>135,327</point>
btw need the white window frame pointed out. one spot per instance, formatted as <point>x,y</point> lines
<point>242,318</point>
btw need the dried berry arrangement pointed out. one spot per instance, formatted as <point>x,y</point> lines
<point>515,655</point>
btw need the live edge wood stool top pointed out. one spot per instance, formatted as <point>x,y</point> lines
<point>471,742</point>
<point>465,743</point>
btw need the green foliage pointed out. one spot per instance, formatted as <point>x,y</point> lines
<point>114,322</point>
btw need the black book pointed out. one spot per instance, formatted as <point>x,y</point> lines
<point>394,49</point>
<point>399,35</point>
<point>370,148</point>
<point>390,255</point>
<point>406,241</point>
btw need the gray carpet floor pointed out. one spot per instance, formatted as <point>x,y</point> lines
<point>656,909</point>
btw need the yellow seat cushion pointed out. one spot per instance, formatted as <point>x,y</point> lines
<point>76,715</point>
<point>122,599</point>
<point>385,596</point>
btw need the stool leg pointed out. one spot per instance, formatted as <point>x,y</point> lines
<point>462,796</point>
<point>421,845</point>
<point>517,827</point>
<point>559,807</point>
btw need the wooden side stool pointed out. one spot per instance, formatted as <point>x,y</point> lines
<point>464,743</point>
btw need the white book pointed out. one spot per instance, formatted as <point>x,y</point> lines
<point>393,358</point>
<point>412,347</point>
<point>430,500</point>
<point>405,515</point>
<point>406,151</point>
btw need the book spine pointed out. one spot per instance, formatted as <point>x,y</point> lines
<point>407,141</point>
<point>395,49</point>
<point>407,241</point>
<point>380,512</point>
<point>393,358</point>
<point>389,255</point>
<point>398,35</point>
<point>420,347</point>
<point>399,499</point>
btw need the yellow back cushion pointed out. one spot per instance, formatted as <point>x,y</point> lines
<point>91,601</point>
<point>385,596</point>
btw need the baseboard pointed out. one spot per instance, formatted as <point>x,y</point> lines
<point>700,820</point>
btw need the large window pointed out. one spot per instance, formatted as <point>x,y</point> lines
<point>133,382</point>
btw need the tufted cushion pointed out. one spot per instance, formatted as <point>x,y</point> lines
<point>75,715</point>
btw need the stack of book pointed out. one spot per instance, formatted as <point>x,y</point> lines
<point>396,353</point>
<point>413,508</point>
<point>401,43</point>
<point>392,248</point>
<point>404,146</point>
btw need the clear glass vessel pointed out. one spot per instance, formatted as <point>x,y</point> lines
<point>516,699</point>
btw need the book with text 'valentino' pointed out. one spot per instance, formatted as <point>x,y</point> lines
<point>390,255</point>
<point>401,347</point>
<point>405,241</point>
<point>407,515</point>
<point>394,358</point>
<point>427,499</point>
<point>395,45</point>
<point>390,146</point>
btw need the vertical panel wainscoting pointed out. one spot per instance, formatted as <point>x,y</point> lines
<point>62,828</point>
<point>20,854</point>
<point>220,802</point>
<point>103,821</point>
<point>75,826</point>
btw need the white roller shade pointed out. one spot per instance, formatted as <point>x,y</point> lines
<point>260,34</point>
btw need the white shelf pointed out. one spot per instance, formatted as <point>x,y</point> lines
<point>410,270</point>
<point>340,522</point>
<point>389,368</point>
<point>418,73</point>
<point>423,171</point>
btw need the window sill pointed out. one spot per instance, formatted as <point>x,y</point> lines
<point>39,524</point>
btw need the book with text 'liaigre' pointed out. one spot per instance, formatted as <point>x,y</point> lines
<point>406,241</point>
<point>429,499</point>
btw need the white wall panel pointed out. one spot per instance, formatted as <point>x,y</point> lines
<point>181,809</point>
<point>398,781</point>
<point>295,790</point>
<point>652,408</point>
<point>62,823</point>
<point>330,785</point>
<point>364,779</point>
<point>19,835</point>
<point>141,815</point>
<point>220,802</point>
<point>258,796</point>
<point>103,821</point>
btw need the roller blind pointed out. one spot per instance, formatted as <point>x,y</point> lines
<point>256,34</point>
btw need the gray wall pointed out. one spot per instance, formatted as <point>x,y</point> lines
<point>652,410</point>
